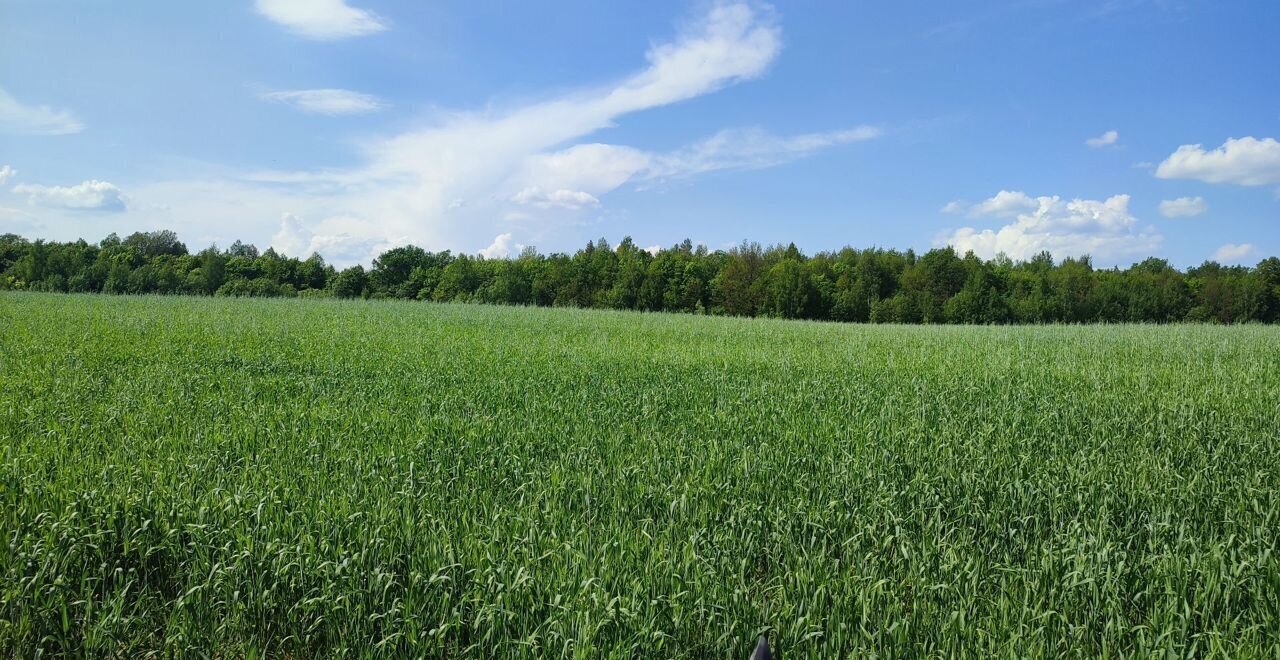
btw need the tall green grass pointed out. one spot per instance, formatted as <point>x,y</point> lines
<point>254,478</point>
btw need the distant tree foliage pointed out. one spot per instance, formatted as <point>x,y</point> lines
<point>871,285</point>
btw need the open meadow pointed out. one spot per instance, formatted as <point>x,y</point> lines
<point>300,478</point>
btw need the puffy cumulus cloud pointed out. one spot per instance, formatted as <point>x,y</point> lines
<point>1246,161</point>
<point>1105,140</point>
<point>90,195</point>
<point>292,238</point>
<point>342,240</point>
<point>327,101</point>
<point>18,118</point>
<point>321,19</point>
<point>1183,207</point>
<point>1005,204</point>
<point>1233,252</point>
<point>564,199</point>
<point>499,248</point>
<point>1103,229</point>
<point>7,173</point>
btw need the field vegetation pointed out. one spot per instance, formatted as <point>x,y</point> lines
<point>301,478</point>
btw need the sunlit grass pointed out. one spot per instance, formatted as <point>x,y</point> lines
<point>301,478</point>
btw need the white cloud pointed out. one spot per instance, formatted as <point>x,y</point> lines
<point>1005,204</point>
<point>20,222</point>
<point>749,149</point>
<point>1233,252</point>
<point>292,239</point>
<point>410,181</point>
<point>1105,140</point>
<point>564,199</point>
<point>321,19</point>
<point>90,195</point>
<point>327,101</point>
<point>407,186</point>
<point>1183,207</point>
<point>653,249</point>
<point>499,248</point>
<point>17,118</point>
<point>341,240</point>
<point>1103,229</point>
<point>600,168</point>
<point>588,167</point>
<point>1245,161</point>
<point>6,173</point>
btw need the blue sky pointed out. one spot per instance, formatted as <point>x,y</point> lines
<point>1116,128</point>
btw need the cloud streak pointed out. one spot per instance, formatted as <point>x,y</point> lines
<point>327,101</point>
<point>471,174</point>
<point>17,118</point>
<point>458,179</point>
<point>324,20</point>
<point>564,199</point>
<point>750,149</point>
<point>90,195</point>
<point>441,184</point>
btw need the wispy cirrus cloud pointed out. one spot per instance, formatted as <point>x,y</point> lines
<point>322,19</point>
<point>327,101</point>
<point>751,149</point>
<point>18,118</point>
<point>443,184</point>
<point>461,178</point>
<point>599,168</point>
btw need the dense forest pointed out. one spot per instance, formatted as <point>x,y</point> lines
<point>867,285</point>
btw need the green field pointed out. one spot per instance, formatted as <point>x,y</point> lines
<point>291,478</point>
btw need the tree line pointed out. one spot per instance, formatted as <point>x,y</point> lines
<point>856,285</point>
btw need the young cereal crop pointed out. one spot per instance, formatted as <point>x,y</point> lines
<point>252,478</point>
